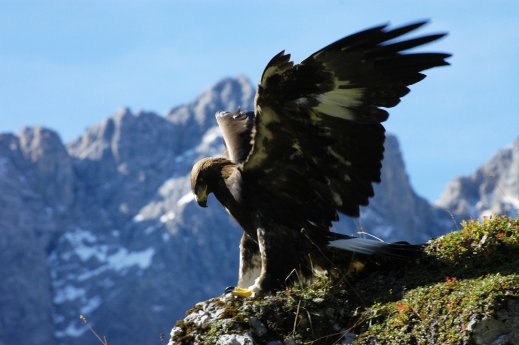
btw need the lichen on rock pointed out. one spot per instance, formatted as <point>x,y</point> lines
<point>463,290</point>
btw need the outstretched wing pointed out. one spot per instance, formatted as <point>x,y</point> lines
<point>318,141</point>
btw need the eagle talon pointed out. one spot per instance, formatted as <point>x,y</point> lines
<point>241,292</point>
<point>229,289</point>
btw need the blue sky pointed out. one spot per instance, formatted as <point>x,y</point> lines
<point>69,64</point>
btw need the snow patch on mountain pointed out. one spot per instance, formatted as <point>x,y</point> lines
<point>84,244</point>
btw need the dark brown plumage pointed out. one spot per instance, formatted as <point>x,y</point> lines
<point>311,149</point>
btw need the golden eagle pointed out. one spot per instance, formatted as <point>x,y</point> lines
<point>312,148</point>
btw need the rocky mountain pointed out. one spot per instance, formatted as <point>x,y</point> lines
<point>106,226</point>
<point>396,212</point>
<point>35,182</point>
<point>493,188</point>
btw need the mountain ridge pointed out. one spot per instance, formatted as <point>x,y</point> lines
<point>493,188</point>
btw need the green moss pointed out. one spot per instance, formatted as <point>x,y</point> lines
<point>441,313</point>
<point>490,240</point>
<point>470,274</point>
<point>463,277</point>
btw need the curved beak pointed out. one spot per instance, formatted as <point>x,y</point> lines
<point>201,196</point>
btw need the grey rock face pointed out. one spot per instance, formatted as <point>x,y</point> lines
<point>493,188</point>
<point>139,243</point>
<point>32,166</point>
<point>106,226</point>
<point>396,212</point>
<point>503,328</point>
<point>52,166</point>
<point>197,117</point>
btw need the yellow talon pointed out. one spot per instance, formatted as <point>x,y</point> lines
<point>241,292</point>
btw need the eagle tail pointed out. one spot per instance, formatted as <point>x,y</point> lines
<point>396,250</point>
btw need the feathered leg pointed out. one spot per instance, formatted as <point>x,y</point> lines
<point>284,259</point>
<point>250,261</point>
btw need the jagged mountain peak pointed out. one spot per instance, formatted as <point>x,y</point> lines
<point>123,130</point>
<point>51,169</point>
<point>227,94</point>
<point>197,117</point>
<point>127,134</point>
<point>493,188</point>
<point>37,141</point>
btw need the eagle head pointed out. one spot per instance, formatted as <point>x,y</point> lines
<point>206,176</point>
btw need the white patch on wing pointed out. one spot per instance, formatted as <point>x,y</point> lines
<point>337,101</point>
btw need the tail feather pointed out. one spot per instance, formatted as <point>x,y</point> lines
<point>401,250</point>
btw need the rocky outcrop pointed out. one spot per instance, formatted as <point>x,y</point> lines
<point>492,189</point>
<point>463,290</point>
<point>135,233</point>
